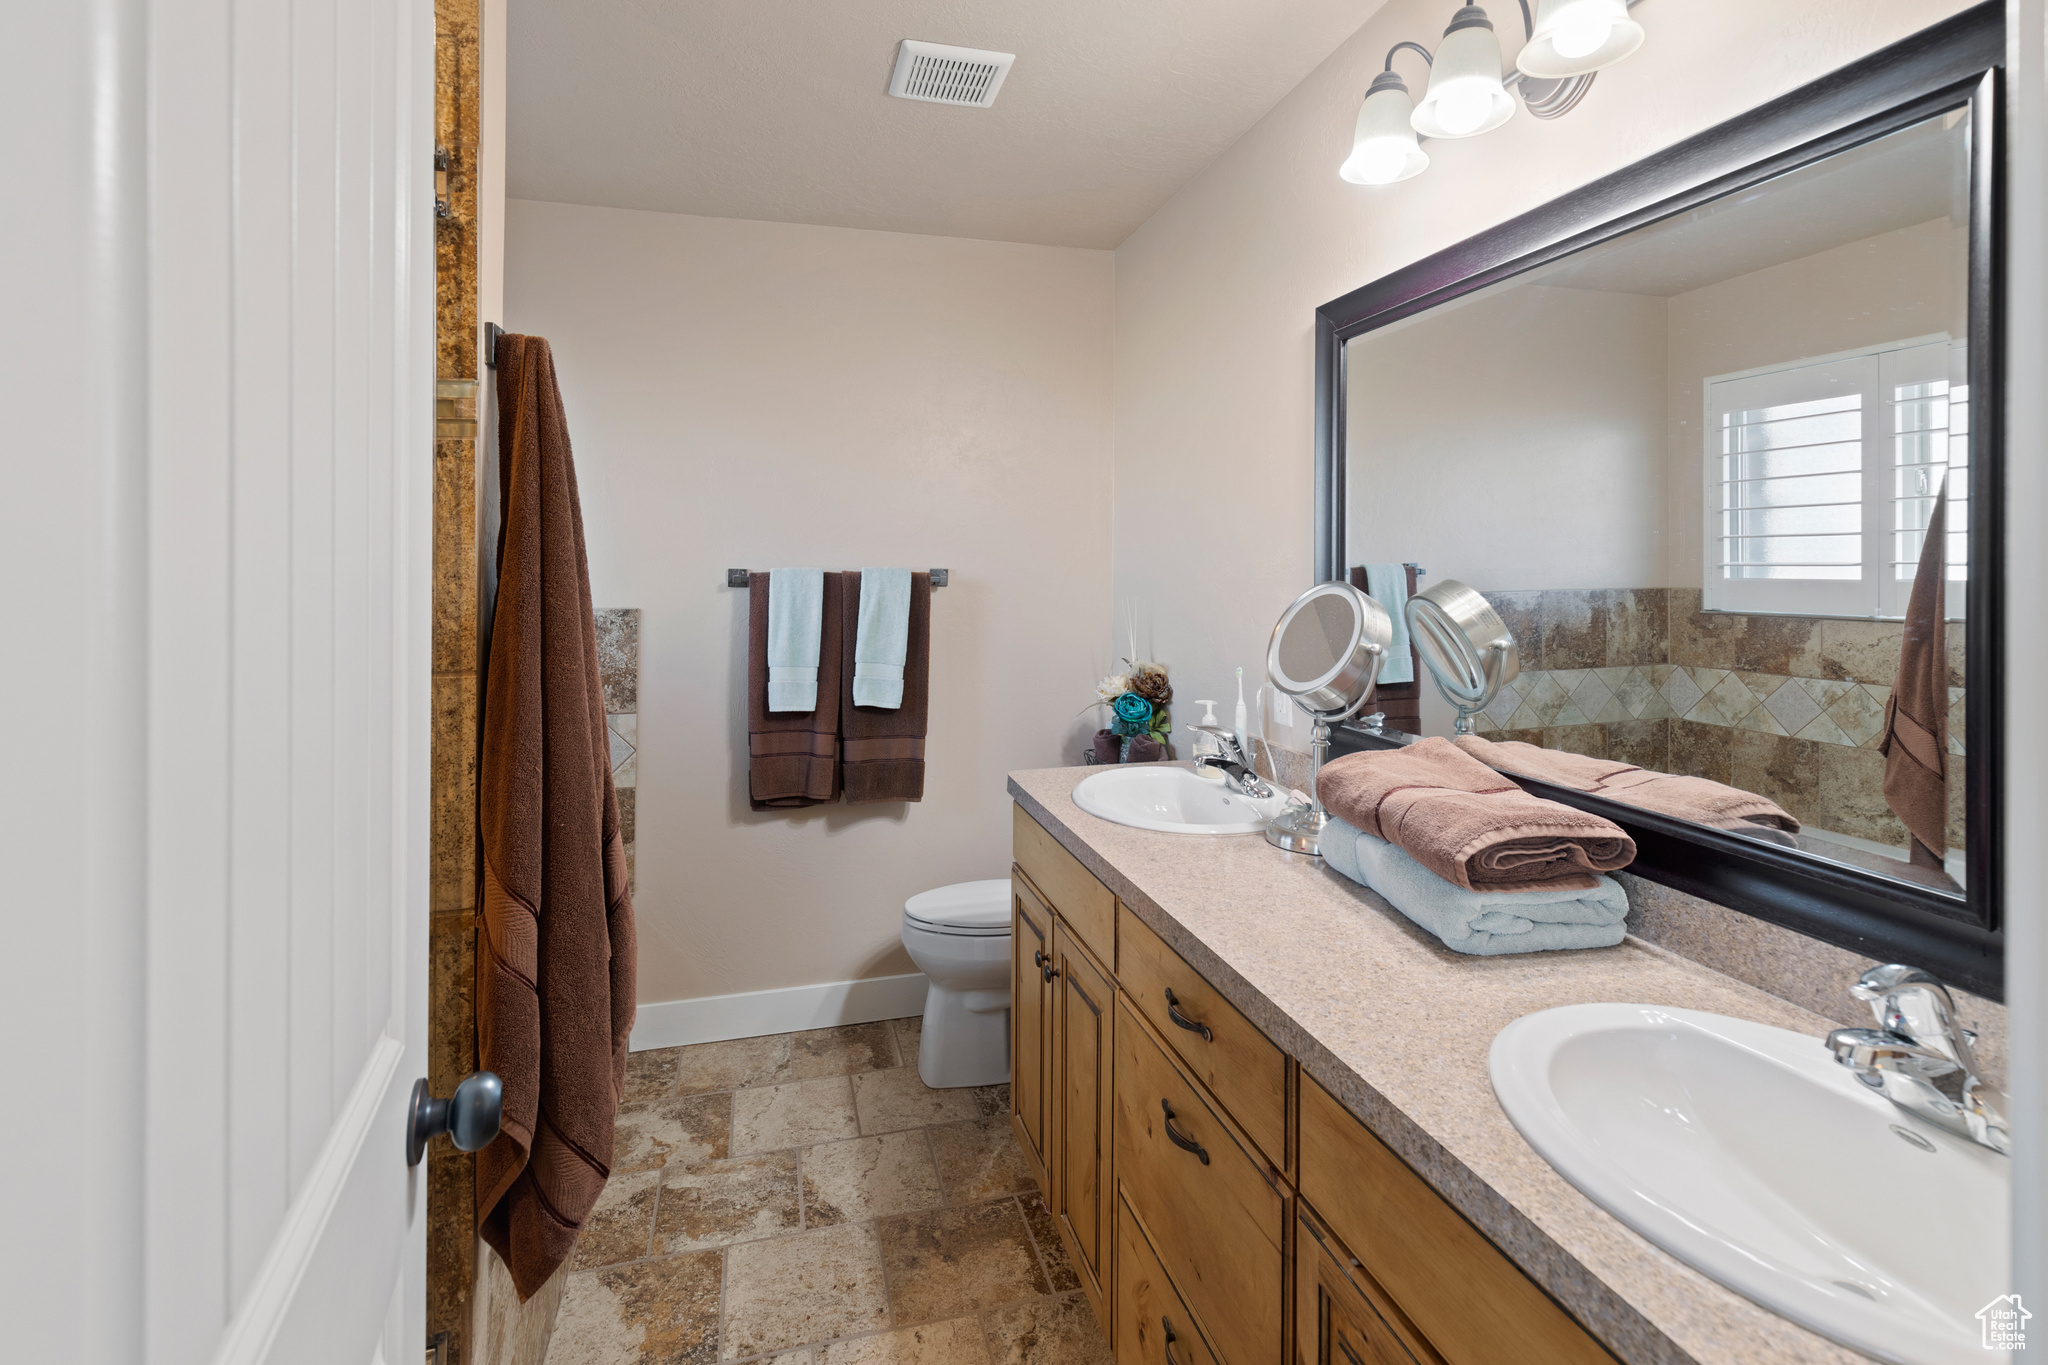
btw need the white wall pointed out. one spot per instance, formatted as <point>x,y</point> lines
<point>1216,293</point>
<point>1514,442</point>
<point>748,394</point>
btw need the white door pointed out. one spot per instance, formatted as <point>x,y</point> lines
<point>216,359</point>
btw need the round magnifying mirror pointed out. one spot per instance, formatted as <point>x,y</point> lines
<point>1465,645</point>
<point>1326,653</point>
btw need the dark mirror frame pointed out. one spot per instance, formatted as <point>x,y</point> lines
<point>1957,63</point>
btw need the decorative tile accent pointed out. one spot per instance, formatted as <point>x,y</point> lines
<point>623,731</point>
<point>1792,705</point>
<point>1682,692</point>
<point>618,667</point>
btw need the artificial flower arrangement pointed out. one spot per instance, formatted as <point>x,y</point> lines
<point>1139,719</point>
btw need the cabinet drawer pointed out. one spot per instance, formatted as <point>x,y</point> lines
<point>1215,1212</point>
<point>1218,1046</point>
<point>1341,1316</point>
<point>1470,1301</point>
<point>1071,889</point>
<point>1153,1326</point>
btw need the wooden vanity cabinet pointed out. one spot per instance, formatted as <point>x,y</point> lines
<point>1031,951</point>
<point>1219,1207</point>
<point>1082,1195</point>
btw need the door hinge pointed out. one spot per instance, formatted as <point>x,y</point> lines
<point>442,208</point>
<point>438,1350</point>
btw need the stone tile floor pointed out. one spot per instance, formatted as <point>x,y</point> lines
<point>805,1199</point>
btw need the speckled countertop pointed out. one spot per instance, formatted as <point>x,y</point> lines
<point>1397,1027</point>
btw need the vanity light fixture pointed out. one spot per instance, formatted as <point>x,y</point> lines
<point>1577,38</point>
<point>1568,40</point>
<point>1465,96</point>
<point>1383,146</point>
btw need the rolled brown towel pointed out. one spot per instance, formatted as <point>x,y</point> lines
<point>1697,799</point>
<point>1109,747</point>
<point>1467,823</point>
<point>1144,749</point>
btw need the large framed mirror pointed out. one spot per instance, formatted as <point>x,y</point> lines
<point>1686,430</point>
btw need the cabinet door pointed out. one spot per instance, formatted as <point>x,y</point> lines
<point>1030,1020</point>
<point>1084,1012</point>
<point>1342,1317</point>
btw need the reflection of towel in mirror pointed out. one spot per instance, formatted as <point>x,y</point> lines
<point>1486,923</point>
<point>1698,799</point>
<point>1467,823</point>
<point>1915,745</point>
<point>1388,584</point>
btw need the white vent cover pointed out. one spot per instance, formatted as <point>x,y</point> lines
<point>949,75</point>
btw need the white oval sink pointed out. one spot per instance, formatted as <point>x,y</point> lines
<point>1747,1152</point>
<point>1155,796</point>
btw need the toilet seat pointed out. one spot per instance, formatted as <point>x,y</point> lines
<point>962,910</point>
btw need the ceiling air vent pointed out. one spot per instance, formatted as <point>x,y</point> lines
<point>949,75</point>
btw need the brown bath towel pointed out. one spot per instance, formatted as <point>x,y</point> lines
<point>882,751</point>
<point>1467,823</point>
<point>793,756</point>
<point>555,956</point>
<point>1915,744</point>
<point>1697,799</point>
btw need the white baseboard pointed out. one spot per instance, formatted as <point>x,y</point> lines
<point>714,1018</point>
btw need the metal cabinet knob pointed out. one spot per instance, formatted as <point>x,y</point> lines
<point>469,1117</point>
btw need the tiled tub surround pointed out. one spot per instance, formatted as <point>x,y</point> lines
<point>618,666</point>
<point>1397,1027</point>
<point>1789,707</point>
<point>805,1199</point>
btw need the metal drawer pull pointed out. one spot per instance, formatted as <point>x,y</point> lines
<point>1181,1140</point>
<point>1349,1354</point>
<point>1167,1346</point>
<point>1191,1025</point>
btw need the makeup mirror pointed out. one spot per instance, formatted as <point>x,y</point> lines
<point>1326,654</point>
<point>1465,646</point>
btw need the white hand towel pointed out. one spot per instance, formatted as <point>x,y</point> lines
<point>1388,585</point>
<point>882,638</point>
<point>1486,923</point>
<point>796,615</point>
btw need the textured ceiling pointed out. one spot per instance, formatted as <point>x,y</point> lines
<point>777,109</point>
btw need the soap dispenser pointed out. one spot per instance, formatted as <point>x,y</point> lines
<point>1204,743</point>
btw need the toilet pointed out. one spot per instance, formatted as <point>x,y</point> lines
<point>959,937</point>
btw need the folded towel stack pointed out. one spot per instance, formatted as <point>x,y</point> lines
<point>1484,923</point>
<point>1468,824</point>
<point>1698,799</point>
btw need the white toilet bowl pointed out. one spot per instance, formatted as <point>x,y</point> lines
<point>959,937</point>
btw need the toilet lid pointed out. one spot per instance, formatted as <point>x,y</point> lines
<point>962,908</point>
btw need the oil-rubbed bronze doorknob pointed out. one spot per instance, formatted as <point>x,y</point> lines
<point>469,1117</point>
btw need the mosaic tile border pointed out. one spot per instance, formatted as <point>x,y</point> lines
<point>1825,710</point>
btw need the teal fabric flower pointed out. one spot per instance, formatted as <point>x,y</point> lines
<point>1133,708</point>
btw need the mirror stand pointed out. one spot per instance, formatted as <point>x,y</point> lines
<point>1299,829</point>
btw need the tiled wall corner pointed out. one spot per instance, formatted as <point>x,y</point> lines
<point>618,664</point>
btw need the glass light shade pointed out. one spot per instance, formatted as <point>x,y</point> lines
<point>1465,97</point>
<point>1578,37</point>
<point>1383,149</point>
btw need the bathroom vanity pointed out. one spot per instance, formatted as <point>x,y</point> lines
<point>1256,1099</point>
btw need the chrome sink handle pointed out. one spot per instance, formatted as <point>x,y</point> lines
<point>1917,1042</point>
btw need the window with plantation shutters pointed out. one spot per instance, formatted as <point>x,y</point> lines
<point>1821,475</point>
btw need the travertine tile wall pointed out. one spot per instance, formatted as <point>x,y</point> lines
<point>457,696</point>
<point>618,662</point>
<point>1789,707</point>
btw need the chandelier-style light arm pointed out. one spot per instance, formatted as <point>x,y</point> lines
<point>1427,60</point>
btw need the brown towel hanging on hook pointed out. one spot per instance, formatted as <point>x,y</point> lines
<point>555,953</point>
<point>1915,744</point>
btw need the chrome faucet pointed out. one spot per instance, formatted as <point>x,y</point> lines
<point>1917,1043</point>
<point>1217,748</point>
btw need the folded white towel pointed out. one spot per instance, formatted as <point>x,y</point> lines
<point>796,616</point>
<point>1387,584</point>
<point>1487,923</point>
<point>882,638</point>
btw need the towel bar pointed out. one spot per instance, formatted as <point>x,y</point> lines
<point>739,578</point>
